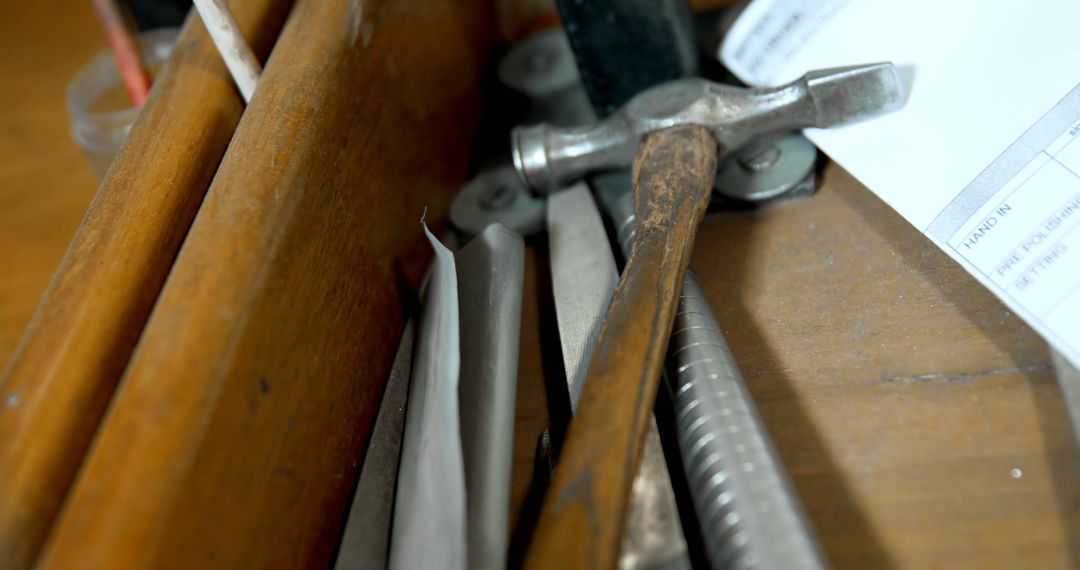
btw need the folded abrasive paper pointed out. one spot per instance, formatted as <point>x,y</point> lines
<point>429,511</point>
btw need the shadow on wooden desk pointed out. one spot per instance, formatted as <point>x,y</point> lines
<point>919,420</point>
<point>728,261</point>
<point>1016,351</point>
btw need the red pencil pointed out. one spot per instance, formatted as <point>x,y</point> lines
<point>125,49</point>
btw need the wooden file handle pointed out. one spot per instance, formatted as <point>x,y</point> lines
<point>582,517</point>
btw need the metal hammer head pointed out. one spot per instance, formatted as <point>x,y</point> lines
<point>549,158</point>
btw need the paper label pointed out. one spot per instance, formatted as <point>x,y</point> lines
<point>982,157</point>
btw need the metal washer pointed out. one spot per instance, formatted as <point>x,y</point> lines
<point>497,196</point>
<point>753,176</point>
<point>541,65</point>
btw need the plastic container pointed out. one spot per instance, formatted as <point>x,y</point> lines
<point>100,110</point>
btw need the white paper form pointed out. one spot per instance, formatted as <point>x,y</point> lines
<point>983,158</point>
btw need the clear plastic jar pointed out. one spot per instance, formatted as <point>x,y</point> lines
<point>101,113</point>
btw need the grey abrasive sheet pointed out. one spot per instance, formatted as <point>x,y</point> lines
<point>490,273</point>
<point>429,510</point>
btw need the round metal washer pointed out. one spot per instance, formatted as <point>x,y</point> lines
<point>541,65</point>
<point>497,196</point>
<point>766,170</point>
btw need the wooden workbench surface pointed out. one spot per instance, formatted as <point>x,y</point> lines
<point>919,419</point>
<point>45,183</point>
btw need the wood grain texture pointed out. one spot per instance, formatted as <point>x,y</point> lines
<point>45,181</point>
<point>900,394</point>
<point>235,437</point>
<point>71,356</point>
<point>542,402</point>
<point>819,300</point>
<point>898,391</point>
<point>581,522</point>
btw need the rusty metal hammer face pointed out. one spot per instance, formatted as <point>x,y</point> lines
<point>549,158</point>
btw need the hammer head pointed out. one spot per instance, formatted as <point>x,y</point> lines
<point>850,94</point>
<point>549,158</point>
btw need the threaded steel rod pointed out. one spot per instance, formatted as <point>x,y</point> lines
<point>749,514</point>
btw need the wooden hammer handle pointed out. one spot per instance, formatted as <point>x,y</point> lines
<point>583,514</point>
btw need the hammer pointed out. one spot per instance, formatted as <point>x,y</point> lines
<point>672,135</point>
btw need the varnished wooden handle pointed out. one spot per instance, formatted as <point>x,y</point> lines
<point>61,377</point>
<point>236,434</point>
<point>582,518</point>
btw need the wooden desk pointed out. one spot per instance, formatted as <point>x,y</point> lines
<point>919,419</point>
<point>45,183</point>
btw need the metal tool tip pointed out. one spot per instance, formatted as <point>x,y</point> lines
<point>848,94</point>
<point>530,157</point>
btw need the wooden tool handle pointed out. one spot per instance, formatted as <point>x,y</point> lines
<point>583,514</point>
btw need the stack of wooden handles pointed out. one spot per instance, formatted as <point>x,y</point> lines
<point>201,375</point>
